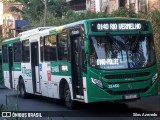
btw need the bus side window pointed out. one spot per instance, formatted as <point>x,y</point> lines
<point>5,53</point>
<point>17,51</point>
<point>42,48</point>
<point>63,46</point>
<point>25,51</point>
<point>50,46</point>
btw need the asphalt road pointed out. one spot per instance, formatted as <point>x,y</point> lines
<point>94,111</point>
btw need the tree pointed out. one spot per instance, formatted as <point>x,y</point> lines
<point>58,8</point>
<point>8,1</point>
<point>34,9</point>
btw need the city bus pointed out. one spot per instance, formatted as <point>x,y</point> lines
<point>93,60</point>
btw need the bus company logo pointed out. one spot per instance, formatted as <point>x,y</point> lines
<point>6,114</point>
<point>55,69</point>
<point>129,79</point>
<point>20,114</point>
<point>26,72</point>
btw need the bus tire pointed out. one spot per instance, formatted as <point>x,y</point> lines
<point>67,98</point>
<point>22,89</point>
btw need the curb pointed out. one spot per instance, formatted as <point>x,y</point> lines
<point>2,86</point>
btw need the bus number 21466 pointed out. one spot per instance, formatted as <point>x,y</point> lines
<point>113,86</point>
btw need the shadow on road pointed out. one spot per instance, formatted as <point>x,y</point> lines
<point>101,109</point>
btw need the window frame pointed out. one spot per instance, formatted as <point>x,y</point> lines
<point>42,49</point>
<point>16,52</point>
<point>23,51</point>
<point>68,43</point>
<point>43,40</point>
<point>6,55</point>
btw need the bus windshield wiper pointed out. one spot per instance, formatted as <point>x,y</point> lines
<point>133,47</point>
<point>113,40</point>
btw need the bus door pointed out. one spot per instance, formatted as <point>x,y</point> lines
<point>76,66</point>
<point>10,63</point>
<point>35,67</point>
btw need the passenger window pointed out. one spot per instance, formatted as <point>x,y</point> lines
<point>17,51</point>
<point>25,51</point>
<point>63,46</point>
<point>5,53</point>
<point>50,48</point>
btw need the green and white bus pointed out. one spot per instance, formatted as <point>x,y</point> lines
<point>94,60</point>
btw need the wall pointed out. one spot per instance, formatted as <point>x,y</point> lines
<point>113,5</point>
<point>153,4</point>
<point>8,19</point>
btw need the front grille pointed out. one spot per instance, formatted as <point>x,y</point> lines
<point>133,75</point>
<point>127,91</point>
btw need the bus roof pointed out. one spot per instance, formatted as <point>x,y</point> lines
<point>113,18</point>
<point>34,31</point>
<point>59,28</point>
<point>10,40</point>
<point>52,29</point>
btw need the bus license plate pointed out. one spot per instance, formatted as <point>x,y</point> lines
<point>132,96</point>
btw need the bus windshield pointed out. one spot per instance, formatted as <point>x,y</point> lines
<point>121,51</point>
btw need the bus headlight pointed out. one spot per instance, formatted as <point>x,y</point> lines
<point>97,82</point>
<point>154,78</point>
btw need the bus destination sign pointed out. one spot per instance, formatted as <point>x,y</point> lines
<point>99,26</point>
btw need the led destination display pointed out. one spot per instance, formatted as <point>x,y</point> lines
<point>119,26</point>
<point>122,26</point>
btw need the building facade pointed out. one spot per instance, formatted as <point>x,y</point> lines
<point>8,18</point>
<point>77,5</point>
<point>112,5</point>
<point>154,4</point>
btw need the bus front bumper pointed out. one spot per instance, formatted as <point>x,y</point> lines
<point>101,95</point>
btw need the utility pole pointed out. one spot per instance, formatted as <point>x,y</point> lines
<point>45,11</point>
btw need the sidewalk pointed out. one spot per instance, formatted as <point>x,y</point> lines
<point>2,86</point>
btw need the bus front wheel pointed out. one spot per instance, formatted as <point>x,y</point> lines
<point>22,90</point>
<point>67,97</point>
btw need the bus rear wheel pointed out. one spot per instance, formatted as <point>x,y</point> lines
<point>67,97</point>
<point>22,90</point>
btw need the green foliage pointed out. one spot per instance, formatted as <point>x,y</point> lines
<point>68,18</point>
<point>1,38</point>
<point>58,7</point>
<point>8,1</point>
<point>85,15</point>
<point>123,12</point>
<point>154,17</point>
<point>34,9</point>
<point>71,16</point>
